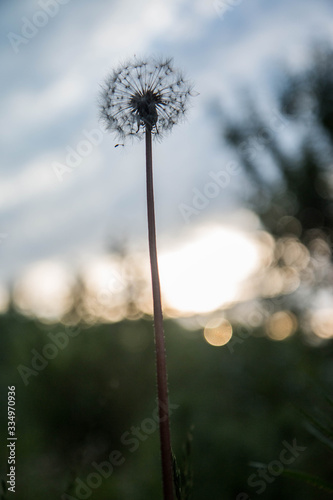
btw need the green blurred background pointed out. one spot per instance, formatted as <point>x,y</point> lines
<point>243,406</point>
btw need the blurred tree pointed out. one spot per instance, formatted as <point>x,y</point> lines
<point>303,185</point>
<point>286,156</point>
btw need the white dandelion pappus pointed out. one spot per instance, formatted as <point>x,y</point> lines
<point>144,95</point>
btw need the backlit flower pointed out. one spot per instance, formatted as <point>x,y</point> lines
<point>144,95</point>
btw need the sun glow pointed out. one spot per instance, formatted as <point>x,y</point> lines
<point>45,290</point>
<point>206,273</point>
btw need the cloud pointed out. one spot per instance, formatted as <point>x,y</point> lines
<point>50,94</point>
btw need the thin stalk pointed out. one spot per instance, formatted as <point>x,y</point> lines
<point>161,370</point>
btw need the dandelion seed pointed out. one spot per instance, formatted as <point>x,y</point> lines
<point>144,95</point>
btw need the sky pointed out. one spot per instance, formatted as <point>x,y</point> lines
<point>55,55</point>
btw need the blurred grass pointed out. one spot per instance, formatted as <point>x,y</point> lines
<point>242,405</point>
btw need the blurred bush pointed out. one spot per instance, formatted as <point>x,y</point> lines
<point>243,405</point>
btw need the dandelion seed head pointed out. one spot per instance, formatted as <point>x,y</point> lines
<point>144,95</point>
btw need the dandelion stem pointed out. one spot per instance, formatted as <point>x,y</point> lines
<point>162,383</point>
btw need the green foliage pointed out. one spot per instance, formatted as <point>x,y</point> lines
<point>183,476</point>
<point>310,479</point>
<point>4,490</point>
<point>73,413</point>
<point>321,429</point>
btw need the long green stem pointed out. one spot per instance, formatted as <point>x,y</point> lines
<point>162,384</point>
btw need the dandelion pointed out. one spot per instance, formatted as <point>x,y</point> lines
<point>144,95</point>
<point>142,99</point>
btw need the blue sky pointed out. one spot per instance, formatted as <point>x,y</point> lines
<point>50,84</point>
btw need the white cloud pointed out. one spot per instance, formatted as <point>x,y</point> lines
<point>33,179</point>
<point>63,77</point>
<point>27,109</point>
